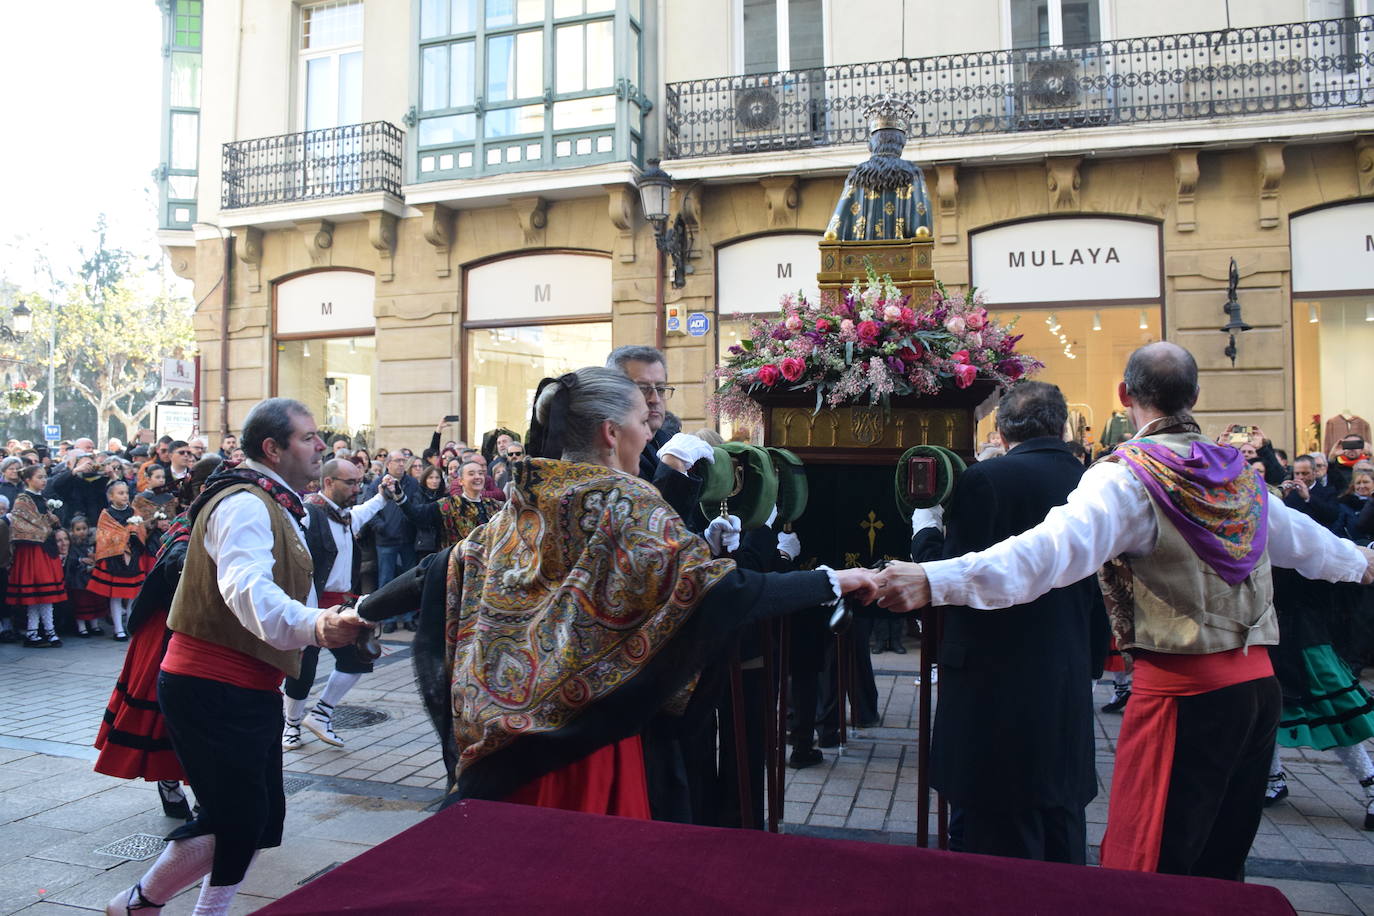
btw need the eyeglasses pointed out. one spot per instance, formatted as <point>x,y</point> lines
<point>514,453</point>
<point>663,391</point>
<point>184,452</point>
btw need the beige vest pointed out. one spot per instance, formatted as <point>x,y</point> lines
<point>199,610</point>
<point>1172,601</point>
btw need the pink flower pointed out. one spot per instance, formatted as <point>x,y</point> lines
<point>869,332</point>
<point>964,374</point>
<point>822,325</point>
<point>793,322</point>
<point>892,313</point>
<point>846,326</point>
<point>768,375</point>
<point>959,356</point>
<point>793,368</point>
<point>908,316</point>
<point>976,340</point>
<point>954,324</point>
<point>976,319</point>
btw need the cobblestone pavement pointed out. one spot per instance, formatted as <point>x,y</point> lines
<point>56,811</point>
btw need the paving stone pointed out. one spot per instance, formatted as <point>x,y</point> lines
<point>1360,851</point>
<point>832,804</point>
<point>866,819</point>
<point>1312,896</point>
<point>825,820</point>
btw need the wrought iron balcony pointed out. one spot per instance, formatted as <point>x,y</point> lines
<point>1305,66</point>
<point>314,164</point>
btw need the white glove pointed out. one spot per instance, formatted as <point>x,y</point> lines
<point>688,448</point>
<point>772,517</point>
<point>723,535</point>
<point>934,517</point>
<point>789,544</point>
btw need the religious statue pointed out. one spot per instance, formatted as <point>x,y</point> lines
<point>884,198</point>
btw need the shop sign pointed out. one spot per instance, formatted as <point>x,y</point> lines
<point>698,325</point>
<point>1067,260</point>
<point>325,302</point>
<point>539,286</point>
<point>1333,249</point>
<point>753,275</point>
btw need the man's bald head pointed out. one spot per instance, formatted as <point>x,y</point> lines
<point>340,480</point>
<point>1162,376</point>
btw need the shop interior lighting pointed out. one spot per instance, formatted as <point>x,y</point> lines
<point>1053,322</point>
<point>1097,321</point>
<point>1144,324</point>
<point>1369,312</point>
<point>305,350</point>
<point>1312,313</point>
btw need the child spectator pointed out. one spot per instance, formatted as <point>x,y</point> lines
<point>119,540</point>
<point>87,607</point>
<point>36,577</point>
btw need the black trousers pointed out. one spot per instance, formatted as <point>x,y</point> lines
<point>347,660</point>
<point>1044,834</point>
<point>228,740</point>
<point>1225,739</point>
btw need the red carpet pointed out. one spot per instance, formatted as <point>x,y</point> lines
<point>488,857</point>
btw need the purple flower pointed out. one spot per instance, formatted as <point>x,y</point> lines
<point>736,350</point>
<point>781,333</point>
<point>896,365</point>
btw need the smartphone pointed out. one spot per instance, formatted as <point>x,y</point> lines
<point>451,418</point>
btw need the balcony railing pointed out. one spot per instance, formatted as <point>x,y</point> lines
<point>334,162</point>
<point>1305,66</point>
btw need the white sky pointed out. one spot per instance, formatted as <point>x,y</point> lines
<point>80,110</point>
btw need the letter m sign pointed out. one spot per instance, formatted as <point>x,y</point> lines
<point>543,292</point>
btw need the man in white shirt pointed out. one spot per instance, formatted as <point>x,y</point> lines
<point>243,610</point>
<point>333,523</point>
<point>1187,532</point>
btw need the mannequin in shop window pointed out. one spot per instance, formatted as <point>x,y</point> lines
<point>1343,425</point>
<point>1119,428</point>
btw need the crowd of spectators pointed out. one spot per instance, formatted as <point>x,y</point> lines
<point>66,490</point>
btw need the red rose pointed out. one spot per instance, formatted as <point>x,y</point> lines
<point>964,374</point>
<point>960,356</point>
<point>822,325</point>
<point>769,375</point>
<point>793,367</point>
<point>912,354</point>
<point>869,332</point>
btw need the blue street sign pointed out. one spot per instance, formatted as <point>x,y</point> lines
<point>698,324</point>
<point>52,432</point>
<point>675,324</point>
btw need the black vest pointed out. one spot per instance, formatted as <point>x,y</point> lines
<point>319,537</point>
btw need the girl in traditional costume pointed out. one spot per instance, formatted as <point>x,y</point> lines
<point>87,608</point>
<point>119,543</point>
<point>37,581</point>
<point>554,633</point>
<point>133,740</point>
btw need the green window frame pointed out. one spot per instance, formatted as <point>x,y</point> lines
<point>515,85</point>
<point>178,172</point>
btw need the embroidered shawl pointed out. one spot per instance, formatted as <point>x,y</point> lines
<point>29,519</point>
<point>461,517</point>
<point>571,589</point>
<point>1217,502</point>
<point>112,533</point>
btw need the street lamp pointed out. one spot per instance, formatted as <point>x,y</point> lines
<point>22,324</point>
<point>1234,324</point>
<point>655,187</point>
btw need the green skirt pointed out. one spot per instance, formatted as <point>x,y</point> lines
<point>1337,711</point>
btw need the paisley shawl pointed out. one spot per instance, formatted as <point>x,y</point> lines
<point>462,516</point>
<point>1209,493</point>
<point>567,594</point>
<point>112,533</point>
<point>29,519</point>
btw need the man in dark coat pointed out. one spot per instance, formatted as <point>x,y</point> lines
<point>1013,740</point>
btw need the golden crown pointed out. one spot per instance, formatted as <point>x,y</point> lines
<point>889,112</point>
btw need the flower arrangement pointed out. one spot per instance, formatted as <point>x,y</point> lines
<point>869,344</point>
<point>20,398</point>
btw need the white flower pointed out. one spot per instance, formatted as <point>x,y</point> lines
<point>54,504</point>
<point>135,520</point>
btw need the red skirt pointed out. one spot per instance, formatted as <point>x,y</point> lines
<point>112,585</point>
<point>133,739</point>
<point>35,577</point>
<point>86,606</point>
<point>607,781</point>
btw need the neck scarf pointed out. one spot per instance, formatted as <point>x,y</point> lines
<point>227,476</point>
<point>1211,495</point>
<point>571,589</point>
<point>342,516</point>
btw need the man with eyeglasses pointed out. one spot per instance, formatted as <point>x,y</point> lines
<point>180,459</point>
<point>333,525</point>
<point>667,463</point>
